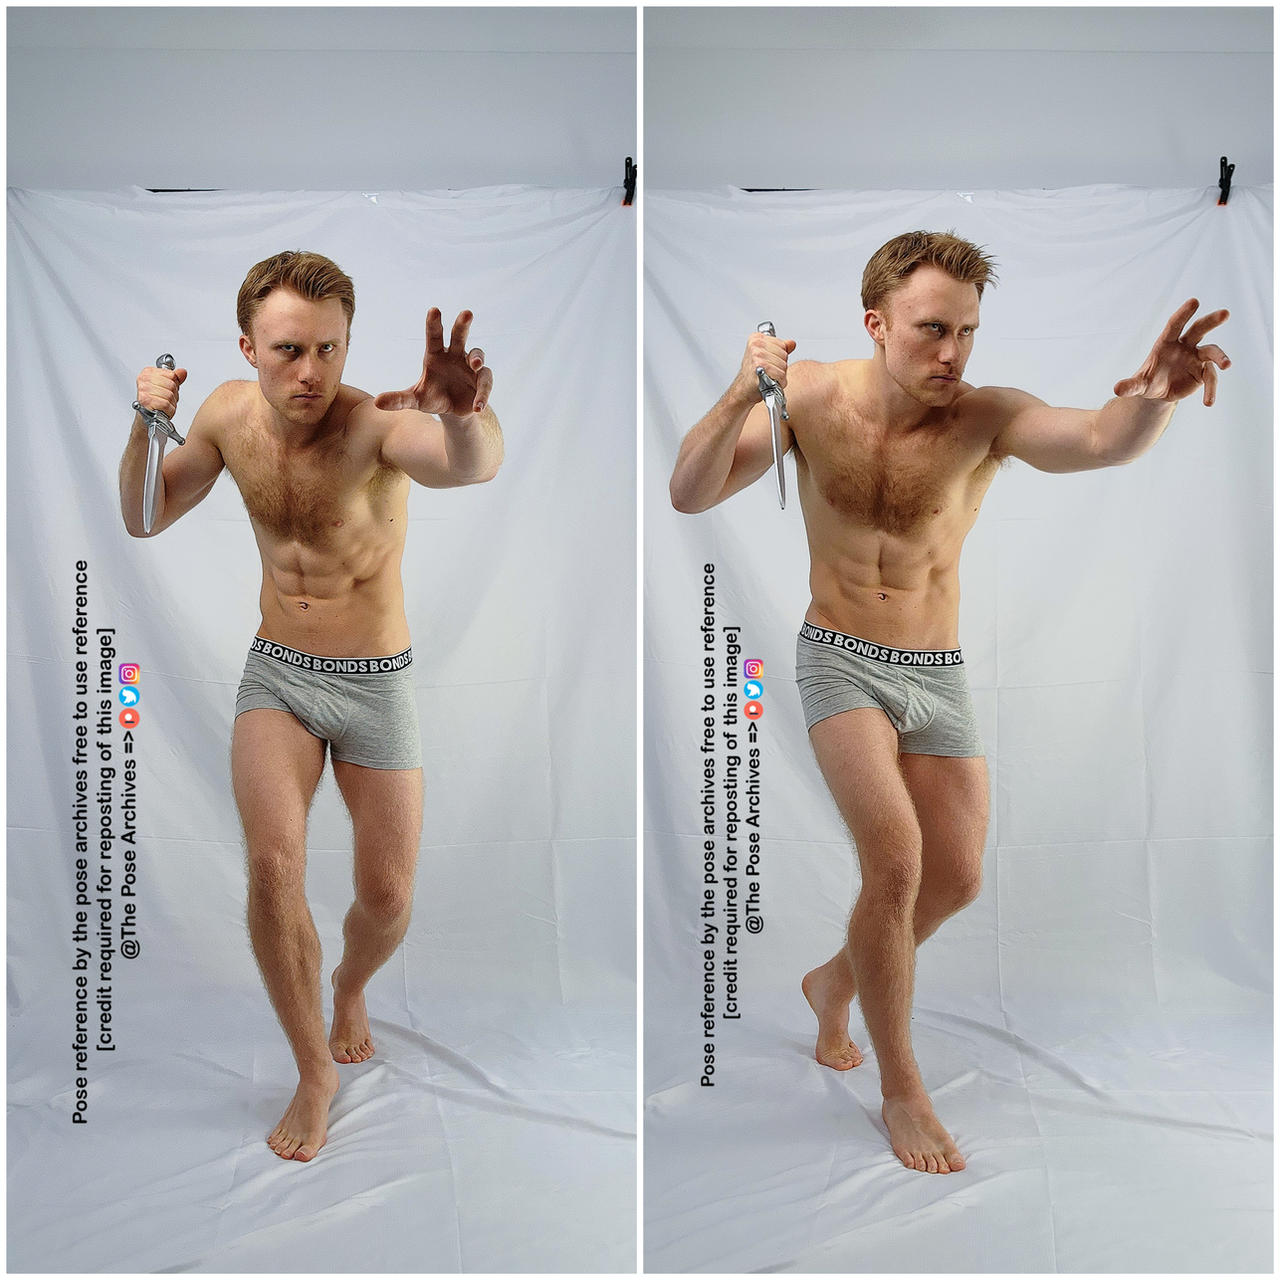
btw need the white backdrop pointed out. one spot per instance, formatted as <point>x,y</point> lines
<point>1095,1029</point>
<point>494,1128</point>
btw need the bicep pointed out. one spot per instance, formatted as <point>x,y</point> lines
<point>1047,438</point>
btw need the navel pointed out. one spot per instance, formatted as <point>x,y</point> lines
<point>302,604</point>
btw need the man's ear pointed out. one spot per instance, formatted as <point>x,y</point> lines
<point>246,349</point>
<point>876,324</point>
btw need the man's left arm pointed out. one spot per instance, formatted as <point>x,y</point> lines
<point>441,432</point>
<point>1124,428</point>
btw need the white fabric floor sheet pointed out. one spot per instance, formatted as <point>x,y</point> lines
<point>1095,1029</point>
<point>494,1130</point>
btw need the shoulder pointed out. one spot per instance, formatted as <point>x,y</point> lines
<point>357,409</point>
<point>224,407</point>
<point>1000,402</point>
<point>228,396</point>
<point>991,411</point>
<point>817,381</point>
<point>366,425</point>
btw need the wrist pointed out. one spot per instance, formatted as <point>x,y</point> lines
<point>459,421</point>
<point>744,391</point>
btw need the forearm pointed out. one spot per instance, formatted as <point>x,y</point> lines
<point>1128,426</point>
<point>473,446</point>
<point>133,473</point>
<point>707,453</point>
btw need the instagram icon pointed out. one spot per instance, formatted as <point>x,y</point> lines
<point>129,672</point>
<point>752,668</point>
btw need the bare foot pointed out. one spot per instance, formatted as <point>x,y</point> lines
<point>834,1048</point>
<point>349,1040</point>
<point>917,1137</point>
<point>302,1131</point>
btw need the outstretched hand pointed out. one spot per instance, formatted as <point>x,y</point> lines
<point>454,380</point>
<point>1177,365</point>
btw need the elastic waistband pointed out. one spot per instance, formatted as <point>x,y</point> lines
<point>336,666</point>
<point>881,652</point>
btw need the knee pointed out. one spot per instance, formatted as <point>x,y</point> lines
<point>891,871</point>
<point>965,887</point>
<point>277,871</point>
<point>385,901</point>
<point>961,886</point>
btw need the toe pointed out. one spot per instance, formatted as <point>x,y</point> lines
<point>305,1153</point>
<point>955,1159</point>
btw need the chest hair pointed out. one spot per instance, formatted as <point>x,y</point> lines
<point>895,485</point>
<point>299,495</point>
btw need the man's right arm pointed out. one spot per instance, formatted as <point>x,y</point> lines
<point>732,446</point>
<point>188,472</point>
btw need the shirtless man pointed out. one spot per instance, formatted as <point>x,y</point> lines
<point>893,457</point>
<point>324,472</point>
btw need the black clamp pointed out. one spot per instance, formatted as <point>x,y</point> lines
<point>629,175</point>
<point>1225,171</point>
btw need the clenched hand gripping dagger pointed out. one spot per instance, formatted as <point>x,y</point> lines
<point>158,424</point>
<point>776,403</point>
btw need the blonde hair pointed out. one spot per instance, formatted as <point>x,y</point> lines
<point>311,275</point>
<point>892,263</point>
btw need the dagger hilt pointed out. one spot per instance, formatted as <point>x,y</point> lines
<point>155,420</point>
<point>765,383</point>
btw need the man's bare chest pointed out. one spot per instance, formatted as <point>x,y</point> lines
<point>894,484</point>
<point>309,495</point>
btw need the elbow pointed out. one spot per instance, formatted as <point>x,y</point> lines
<point>1115,455</point>
<point>133,526</point>
<point>485,473</point>
<point>486,470</point>
<point>683,502</point>
<point>684,497</point>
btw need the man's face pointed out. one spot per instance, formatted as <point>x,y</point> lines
<point>299,349</point>
<point>926,328</point>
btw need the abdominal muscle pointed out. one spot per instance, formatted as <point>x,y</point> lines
<point>897,590</point>
<point>342,602</point>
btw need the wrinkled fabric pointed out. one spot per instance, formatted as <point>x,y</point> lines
<point>1095,1029</point>
<point>494,1130</point>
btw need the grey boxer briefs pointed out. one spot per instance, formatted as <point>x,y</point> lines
<point>924,692</point>
<point>363,707</point>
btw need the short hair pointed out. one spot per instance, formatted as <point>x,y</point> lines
<point>892,263</point>
<point>311,275</point>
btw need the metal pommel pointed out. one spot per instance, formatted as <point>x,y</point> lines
<point>155,420</point>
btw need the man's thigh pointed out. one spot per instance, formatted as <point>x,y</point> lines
<point>857,752</point>
<point>386,815</point>
<point>275,769</point>
<point>951,797</point>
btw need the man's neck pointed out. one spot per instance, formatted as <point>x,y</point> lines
<point>888,406</point>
